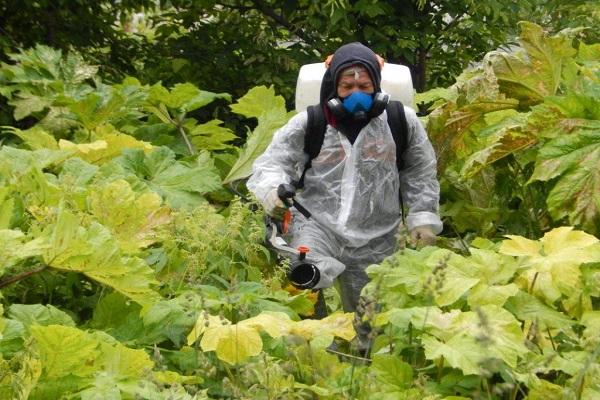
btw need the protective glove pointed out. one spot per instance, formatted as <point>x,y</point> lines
<point>274,206</point>
<point>422,236</point>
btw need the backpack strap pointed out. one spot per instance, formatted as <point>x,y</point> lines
<point>313,141</point>
<point>399,128</point>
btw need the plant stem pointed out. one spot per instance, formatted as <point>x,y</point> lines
<point>22,275</point>
<point>486,385</point>
<point>186,139</point>
<point>551,339</point>
<point>581,376</point>
<point>533,283</point>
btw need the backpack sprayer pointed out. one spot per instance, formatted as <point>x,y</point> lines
<point>303,273</point>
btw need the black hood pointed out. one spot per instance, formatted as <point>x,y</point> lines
<point>346,56</point>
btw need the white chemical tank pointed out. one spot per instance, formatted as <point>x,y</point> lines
<point>395,81</point>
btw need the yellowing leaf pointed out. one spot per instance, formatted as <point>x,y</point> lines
<point>591,321</point>
<point>237,343</point>
<point>475,336</point>
<point>170,378</point>
<point>553,269</point>
<point>82,148</point>
<point>133,219</point>
<point>561,242</point>
<point>100,151</point>
<point>66,350</point>
<point>337,324</point>
<point>35,138</point>
<point>14,247</point>
<point>274,324</point>
<point>519,246</point>
<point>94,252</point>
<point>203,323</point>
<point>483,294</point>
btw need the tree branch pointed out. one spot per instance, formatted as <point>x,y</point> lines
<point>277,18</point>
<point>22,275</point>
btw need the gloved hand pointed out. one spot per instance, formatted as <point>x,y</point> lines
<point>422,236</point>
<point>274,206</point>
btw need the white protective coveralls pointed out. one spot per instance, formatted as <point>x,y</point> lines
<point>352,191</point>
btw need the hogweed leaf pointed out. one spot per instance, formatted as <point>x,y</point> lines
<point>237,343</point>
<point>65,350</point>
<point>392,372</point>
<point>111,145</point>
<point>38,314</point>
<point>94,252</point>
<point>261,103</point>
<point>483,294</point>
<point>184,97</point>
<point>35,138</point>
<point>337,324</point>
<point>92,364</point>
<point>212,136</point>
<point>275,324</point>
<point>134,219</point>
<point>574,159</point>
<point>15,246</point>
<point>552,263</point>
<point>535,71</point>
<point>475,336</point>
<point>181,184</point>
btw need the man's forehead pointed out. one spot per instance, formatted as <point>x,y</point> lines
<point>355,71</point>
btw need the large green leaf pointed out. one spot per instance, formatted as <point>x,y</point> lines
<point>212,136</point>
<point>15,246</point>
<point>534,73</point>
<point>42,75</point>
<point>261,103</point>
<point>95,253</point>
<point>134,219</point>
<point>38,314</point>
<point>391,372</point>
<point>473,337</point>
<point>95,365</point>
<point>574,159</point>
<point>529,308</point>
<point>184,97</point>
<point>181,184</point>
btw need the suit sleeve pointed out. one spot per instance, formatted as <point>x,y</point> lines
<point>282,161</point>
<point>418,180</point>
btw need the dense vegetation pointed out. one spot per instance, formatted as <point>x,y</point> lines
<point>131,268</point>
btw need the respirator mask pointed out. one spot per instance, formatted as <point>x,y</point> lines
<point>359,106</point>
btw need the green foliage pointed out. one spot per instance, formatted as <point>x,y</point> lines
<point>540,324</point>
<point>527,116</point>
<point>265,42</point>
<point>129,271</point>
<point>262,104</point>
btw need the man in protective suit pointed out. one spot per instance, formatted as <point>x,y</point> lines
<point>352,187</point>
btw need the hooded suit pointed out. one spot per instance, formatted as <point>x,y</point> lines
<point>352,187</point>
